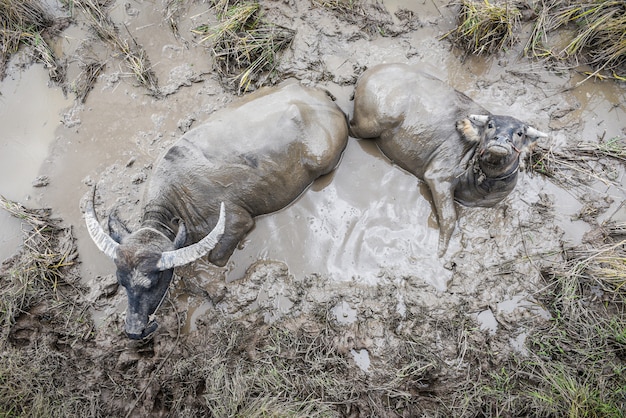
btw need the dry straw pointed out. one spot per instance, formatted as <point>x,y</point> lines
<point>485,27</point>
<point>599,32</point>
<point>243,43</point>
<point>24,22</point>
<point>133,54</point>
<point>582,162</point>
<point>596,30</point>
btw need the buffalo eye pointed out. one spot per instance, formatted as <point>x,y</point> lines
<point>490,125</point>
<point>520,133</point>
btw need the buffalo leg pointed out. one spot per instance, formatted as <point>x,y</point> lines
<point>443,198</point>
<point>238,224</point>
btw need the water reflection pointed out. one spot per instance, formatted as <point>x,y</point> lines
<point>371,219</point>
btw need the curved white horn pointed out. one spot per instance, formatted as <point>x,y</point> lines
<point>185,255</point>
<point>534,133</point>
<point>103,241</point>
<point>479,120</point>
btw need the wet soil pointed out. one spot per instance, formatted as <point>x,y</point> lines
<point>361,242</point>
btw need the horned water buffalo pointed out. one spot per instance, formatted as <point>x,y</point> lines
<point>440,135</point>
<point>253,157</point>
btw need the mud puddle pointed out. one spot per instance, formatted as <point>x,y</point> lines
<point>29,116</point>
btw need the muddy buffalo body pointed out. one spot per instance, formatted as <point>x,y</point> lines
<point>440,135</point>
<point>251,158</point>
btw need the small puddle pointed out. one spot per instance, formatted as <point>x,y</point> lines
<point>194,311</point>
<point>603,108</point>
<point>487,321</point>
<point>344,313</point>
<point>519,343</point>
<point>361,358</point>
<point>487,318</point>
<point>29,116</point>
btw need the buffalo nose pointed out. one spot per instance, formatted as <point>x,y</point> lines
<point>133,336</point>
<point>146,332</point>
<point>502,139</point>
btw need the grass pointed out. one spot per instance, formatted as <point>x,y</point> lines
<point>51,364</point>
<point>243,44</point>
<point>41,318</point>
<point>48,252</point>
<point>588,161</point>
<point>132,53</point>
<point>25,22</point>
<point>485,27</point>
<point>341,6</point>
<point>598,33</point>
<point>595,29</point>
<point>577,362</point>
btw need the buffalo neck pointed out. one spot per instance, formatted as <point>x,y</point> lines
<point>162,221</point>
<point>482,185</point>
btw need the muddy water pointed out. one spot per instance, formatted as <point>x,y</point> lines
<point>366,219</point>
<point>29,117</point>
<point>369,218</point>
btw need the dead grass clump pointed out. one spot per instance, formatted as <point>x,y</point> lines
<point>341,6</point>
<point>577,365</point>
<point>583,162</point>
<point>598,35</point>
<point>87,79</point>
<point>603,268</point>
<point>174,10</point>
<point>133,54</point>
<point>485,27</point>
<point>42,318</point>
<point>24,22</point>
<point>371,17</point>
<point>243,43</point>
<point>260,371</point>
<point>38,271</point>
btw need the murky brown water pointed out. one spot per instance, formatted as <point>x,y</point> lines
<point>29,117</point>
<point>366,219</point>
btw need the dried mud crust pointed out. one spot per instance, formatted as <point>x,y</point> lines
<point>274,344</point>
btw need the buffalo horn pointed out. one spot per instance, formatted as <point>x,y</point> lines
<point>103,241</point>
<point>534,133</point>
<point>185,255</point>
<point>480,120</point>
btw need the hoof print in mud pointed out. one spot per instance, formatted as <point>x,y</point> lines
<point>460,150</point>
<point>254,157</point>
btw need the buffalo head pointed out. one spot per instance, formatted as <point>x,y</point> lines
<point>145,261</point>
<point>501,141</point>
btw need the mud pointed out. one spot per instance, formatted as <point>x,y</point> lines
<point>362,240</point>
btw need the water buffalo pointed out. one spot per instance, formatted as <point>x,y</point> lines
<point>440,135</point>
<point>251,158</point>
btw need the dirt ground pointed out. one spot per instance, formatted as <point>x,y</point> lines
<point>345,281</point>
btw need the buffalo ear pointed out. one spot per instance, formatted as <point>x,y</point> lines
<point>530,140</point>
<point>470,127</point>
<point>117,230</point>
<point>181,235</point>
